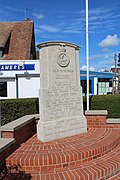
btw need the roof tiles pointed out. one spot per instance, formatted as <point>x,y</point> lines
<point>21,36</point>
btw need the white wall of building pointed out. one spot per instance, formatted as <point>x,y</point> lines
<point>11,89</point>
<point>95,85</point>
<point>27,87</point>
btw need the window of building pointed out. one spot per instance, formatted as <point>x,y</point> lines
<point>104,86</point>
<point>1,53</point>
<point>84,86</point>
<point>3,89</point>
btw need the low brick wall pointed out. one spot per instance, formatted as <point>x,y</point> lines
<point>98,119</point>
<point>7,146</point>
<point>20,129</point>
<point>14,134</point>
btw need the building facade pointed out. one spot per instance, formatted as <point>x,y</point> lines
<point>18,72</point>
<point>20,79</point>
<point>100,83</point>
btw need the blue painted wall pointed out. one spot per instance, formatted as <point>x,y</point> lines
<point>93,74</point>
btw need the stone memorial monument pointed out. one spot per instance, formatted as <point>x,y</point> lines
<point>61,103</point>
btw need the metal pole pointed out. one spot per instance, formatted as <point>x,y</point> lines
<point>115,59</point>
<point>0,119</point>
<point>26,13</point>
<point>17,95</point>
<point>87,54</point>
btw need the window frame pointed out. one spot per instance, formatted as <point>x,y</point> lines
<point>3,90</point>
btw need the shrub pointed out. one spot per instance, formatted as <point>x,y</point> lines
<point>15,108</point>
<point>111,103</point>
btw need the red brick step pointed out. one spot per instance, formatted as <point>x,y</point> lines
<point>102,168</point>
<point>69,156</point>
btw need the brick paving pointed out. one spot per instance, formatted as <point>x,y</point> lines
<point>92,155</point>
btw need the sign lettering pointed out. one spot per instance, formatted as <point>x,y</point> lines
<point>17,67</point>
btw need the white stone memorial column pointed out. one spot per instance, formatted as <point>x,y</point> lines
<point>61,102</point>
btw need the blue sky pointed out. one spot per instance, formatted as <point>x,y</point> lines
<point>65,20</point>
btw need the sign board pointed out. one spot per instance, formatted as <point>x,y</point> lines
<point>16,67</point>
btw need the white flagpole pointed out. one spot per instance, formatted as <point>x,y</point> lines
<point>87,54</point>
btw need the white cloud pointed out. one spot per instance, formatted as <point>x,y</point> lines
<point>95,57</point>
<point>106,50</point>
<point>84,67</point>
<point>98,17</point>
<point>49,28</point>
<point>75,23</point>
<point>91,68</point>
<point>38,15</point>
<point>110,41</point>
<point>14,9</point>
<point>108,56</point>
<point>50,36</point>
<point>72,31</point>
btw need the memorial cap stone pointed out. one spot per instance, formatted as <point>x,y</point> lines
<point>61,102</point>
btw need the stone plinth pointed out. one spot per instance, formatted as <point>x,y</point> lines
<point>61,103</point>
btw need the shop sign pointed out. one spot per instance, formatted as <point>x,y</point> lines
<point>17,67</point>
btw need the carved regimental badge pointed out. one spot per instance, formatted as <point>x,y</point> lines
<point>63,60</point>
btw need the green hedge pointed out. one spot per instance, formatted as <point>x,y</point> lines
<point>15,108</point>
<point>111,103</point>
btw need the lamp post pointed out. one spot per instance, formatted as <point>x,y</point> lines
<point>87,54</point>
